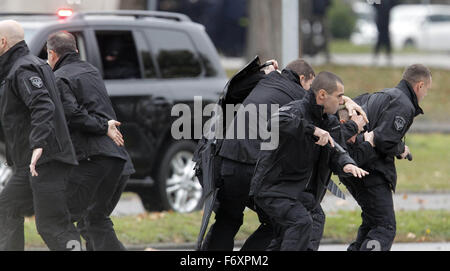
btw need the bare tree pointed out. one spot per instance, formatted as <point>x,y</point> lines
<point>264,32</point>
<point>133,4</point>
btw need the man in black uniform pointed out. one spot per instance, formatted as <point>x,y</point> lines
<point>239,158</point>
<point>361,149</point>
<point>391,112</point>
<point>382,20</point>
<point>37,140</point>
<point>91,119</point>
<point>289,181</point>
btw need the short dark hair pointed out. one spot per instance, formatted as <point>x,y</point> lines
<point>416,73</point>
<point>301,67</point>
<point>61,43</point>
<point>344,115</point>
<point>327,81</point>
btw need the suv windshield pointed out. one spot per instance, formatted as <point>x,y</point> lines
<point>29,33</point>
<point>30,24</point>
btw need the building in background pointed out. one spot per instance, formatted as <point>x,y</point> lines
<point>225,21</point>
<point>53,5</point>
<point>238,28</point>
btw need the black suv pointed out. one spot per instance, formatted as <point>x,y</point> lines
<point>150,62</point>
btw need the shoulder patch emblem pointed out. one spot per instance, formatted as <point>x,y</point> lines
<point>399,123</point>
<point>36,82</point>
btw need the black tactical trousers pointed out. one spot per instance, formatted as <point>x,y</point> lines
<point>112,205</point>
<point>378,228</point>
<point>46,194</point>
<point>318,226</point>
<point>90,190</point>
<point>232,200</point>
<point>292,222</point>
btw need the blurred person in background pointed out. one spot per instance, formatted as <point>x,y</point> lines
<point>382,20</point>
<point>319,11</point>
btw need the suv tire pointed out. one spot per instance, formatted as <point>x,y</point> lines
<point>176,186</point>
<point>5,171</point>
<point>409,43</point>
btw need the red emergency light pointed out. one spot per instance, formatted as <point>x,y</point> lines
<point>65,13</point>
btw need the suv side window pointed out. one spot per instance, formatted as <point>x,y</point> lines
<point>175,54</point>
<point>439,18</point>
<point>118,54</point>
<point>146,56</point>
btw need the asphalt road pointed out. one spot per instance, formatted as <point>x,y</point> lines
<point>324,247</point>
<point>132,205</point>
<point>398,247</point>
<point>433,60</point>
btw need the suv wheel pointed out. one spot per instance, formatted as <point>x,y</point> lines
<point>409,43</point>
<point>177,188</point>
<point>5,172</point>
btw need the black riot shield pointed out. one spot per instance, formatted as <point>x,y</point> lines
<point>207,161</point>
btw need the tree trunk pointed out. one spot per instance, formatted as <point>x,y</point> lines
<point>264,32</point>
<point>133,4</point>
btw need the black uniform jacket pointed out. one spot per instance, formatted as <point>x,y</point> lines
<point>275,88</point>
<point>362,152</point>
<point>391,113</point>
<point>87,107</point>
<point>32,115</point>
<point>298,164</point>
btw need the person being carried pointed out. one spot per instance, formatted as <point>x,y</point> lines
<point>288,180</point>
